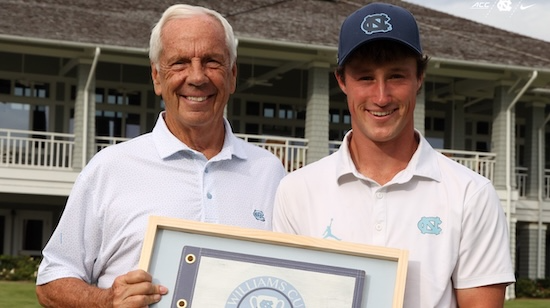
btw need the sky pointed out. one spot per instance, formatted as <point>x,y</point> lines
<point>526,17</point>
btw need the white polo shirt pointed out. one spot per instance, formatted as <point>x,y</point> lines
<point>447,216</point>
<point>100,233</point>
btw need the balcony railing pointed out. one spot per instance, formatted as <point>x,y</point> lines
<point>481,162</point>
<point>32,149</point>
<point>521,180</point>
<point>46,150</point>
<point>103,142</point>
<point>291,151</point>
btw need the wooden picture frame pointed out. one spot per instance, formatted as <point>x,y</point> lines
<point>363,276</point>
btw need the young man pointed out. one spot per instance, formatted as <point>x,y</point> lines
<point>190,166</point>
<point>386,186</point>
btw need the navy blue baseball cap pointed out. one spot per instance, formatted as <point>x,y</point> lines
<point>378,21</point>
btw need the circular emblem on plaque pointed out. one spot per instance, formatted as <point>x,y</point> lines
<point>265,292</point>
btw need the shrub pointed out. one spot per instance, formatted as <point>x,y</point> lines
<point>18,268</point>
<point>533,288</point>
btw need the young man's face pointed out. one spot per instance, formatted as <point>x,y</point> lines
<point>195,75</point>
<point>381,96</point>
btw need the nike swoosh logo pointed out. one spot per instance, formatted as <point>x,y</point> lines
<point>524,7</point>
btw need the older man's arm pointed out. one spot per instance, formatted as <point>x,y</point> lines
<point>134,289</point>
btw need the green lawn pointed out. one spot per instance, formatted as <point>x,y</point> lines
<point>21,295</point>
<point>18,294</point>
<point>527,303</point>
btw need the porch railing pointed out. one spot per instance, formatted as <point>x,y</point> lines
<point>47,150</point>
<point>32,149</point>
<point>291,151</point>
<point>103,142</point>
<point>481,162</point>
<point>521,180</point>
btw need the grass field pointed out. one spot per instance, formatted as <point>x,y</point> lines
<point>17,294</point>
<point>527,303</point>
<point>21,295</point>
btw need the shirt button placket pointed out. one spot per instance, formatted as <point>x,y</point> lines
<point>209,208</point>
<point>379,217</point>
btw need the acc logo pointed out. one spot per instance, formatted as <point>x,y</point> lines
<point>481,5</point>
<point>265,292</point>
<point>376,23</point>
<point>429,225</point>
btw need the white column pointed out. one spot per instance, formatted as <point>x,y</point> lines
<point>420,110</point>
<point>455,132</point>
<point>83,70</point>
<point>317,112</point>
<point>511,289</point>
<point>534,120</point>
<point>501,101</point>
<point>528,253</point>
<point>498,138</point>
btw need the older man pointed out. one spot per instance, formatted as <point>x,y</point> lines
<point>190,166</point>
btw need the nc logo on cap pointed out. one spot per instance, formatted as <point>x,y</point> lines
<point>376,23</point>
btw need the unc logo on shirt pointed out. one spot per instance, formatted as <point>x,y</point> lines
<point>429,225</point>
<point>259,215</point>
<point>376,23</point>
<point>265,292</point>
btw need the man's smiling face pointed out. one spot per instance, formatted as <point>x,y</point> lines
<point>381,96</point>
<point>194,74</point>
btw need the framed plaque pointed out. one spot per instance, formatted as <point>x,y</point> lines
<point>262,281</point>
<point>211,265</point>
